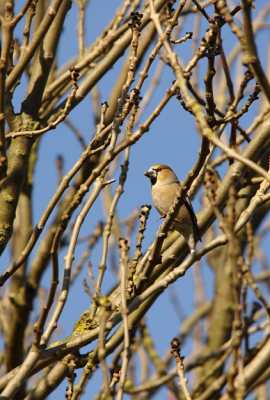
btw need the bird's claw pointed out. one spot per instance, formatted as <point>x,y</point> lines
<point>162,216</point>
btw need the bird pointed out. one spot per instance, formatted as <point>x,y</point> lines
<point>164,187</point>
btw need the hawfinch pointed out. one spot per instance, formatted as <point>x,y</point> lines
<point>165,186</point>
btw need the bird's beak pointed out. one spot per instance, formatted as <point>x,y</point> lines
<point>151,173</point>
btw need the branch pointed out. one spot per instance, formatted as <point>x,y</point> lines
<point>74,73</point>
<point>175,345</point>
<point>123,249</point>
<point>33,45</point>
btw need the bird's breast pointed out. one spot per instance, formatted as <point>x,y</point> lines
<point>162,198</point>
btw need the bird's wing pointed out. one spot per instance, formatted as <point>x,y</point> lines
<point>193,217</point>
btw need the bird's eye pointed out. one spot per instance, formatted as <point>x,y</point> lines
<point>159,169</point>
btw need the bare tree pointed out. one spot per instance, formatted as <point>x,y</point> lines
<point>215,86</point>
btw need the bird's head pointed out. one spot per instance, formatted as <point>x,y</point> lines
<point>161,175</point>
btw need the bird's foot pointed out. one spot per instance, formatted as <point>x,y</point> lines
<point>162,216</point>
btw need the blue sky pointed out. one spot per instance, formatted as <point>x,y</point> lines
<point>172,140</point>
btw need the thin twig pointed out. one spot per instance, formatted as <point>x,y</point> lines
<point>99,185</point>
<point>123,261</point>
<point>175,346</point>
